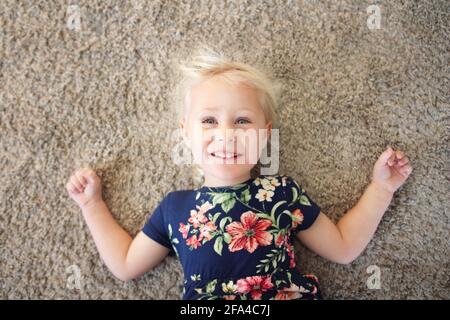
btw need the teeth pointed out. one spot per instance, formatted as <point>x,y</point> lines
<point>224,155</point>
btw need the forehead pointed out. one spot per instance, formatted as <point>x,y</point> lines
<point>216,94</point>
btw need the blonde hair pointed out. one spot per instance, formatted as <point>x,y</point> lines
<point>206,63</point>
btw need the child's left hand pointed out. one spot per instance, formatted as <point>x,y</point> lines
<point>391,170</point>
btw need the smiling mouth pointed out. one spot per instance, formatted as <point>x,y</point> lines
<point>224,156</point>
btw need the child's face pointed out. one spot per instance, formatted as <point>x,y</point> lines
<point>223,117</point>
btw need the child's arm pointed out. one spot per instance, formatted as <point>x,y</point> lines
<point>127,258</point>
<point>344,242</point>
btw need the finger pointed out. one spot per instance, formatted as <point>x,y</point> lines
<point>384,158</point>
<point>403,161</point>
<point>408,171</point>
<point>391,160</point>
<point>399,154</point>
<point>405,170</point>
<point>82,179</point>
<point>71,188</point>
<point>76,183</point>
<point>92,176</point>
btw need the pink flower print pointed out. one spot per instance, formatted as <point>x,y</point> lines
<point>184,229</point>
<point>193,242</point>
<point>206,230</point>
<point>198,216</point>
<point>314,290</point>
<point>290,293</point>
<point>297,218</point>
<point>291,255</point>
<point>280,240</point>
<point>312,277</point>
<point>249,233</point>
<point>254,285</point>
<point>292,261</point>
<point>204,207</point>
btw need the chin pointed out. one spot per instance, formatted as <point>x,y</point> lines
<point>228,171</point>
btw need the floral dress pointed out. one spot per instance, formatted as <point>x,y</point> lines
<point>236,242</point>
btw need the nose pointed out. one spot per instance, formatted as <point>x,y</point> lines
<point>224,134</point>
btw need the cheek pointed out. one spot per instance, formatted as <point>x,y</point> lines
<point>253,138</point>
<point>201,138</point>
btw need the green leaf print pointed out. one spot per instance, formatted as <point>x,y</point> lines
<point>214,218</point>
<point>211,286</point>
<point>218,245</point>
<point>228,205</point>
<point>246,196</point>
<point>223,221</point>
<point>272,259</point>
<point>304,200</point>
<point>227,238</point>
<point>219,198</point>
<point>272,213</point>
<point>274,263</point>
<point>225,199</point>
<point>295,195</point>
<point>173,241</point>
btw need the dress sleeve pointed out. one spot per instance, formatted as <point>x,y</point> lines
<point>157,227</point>
<point>303,209</point>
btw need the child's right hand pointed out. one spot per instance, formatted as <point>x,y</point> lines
<point>85,187</point>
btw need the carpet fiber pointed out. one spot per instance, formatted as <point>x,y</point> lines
<point>99,94</point>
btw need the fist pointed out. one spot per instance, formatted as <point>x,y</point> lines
<point>391,170</point>
<point>84,187</point>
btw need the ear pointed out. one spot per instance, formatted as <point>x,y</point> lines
<point>184,132</point>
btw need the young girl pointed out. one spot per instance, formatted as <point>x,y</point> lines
<point>234,235</point>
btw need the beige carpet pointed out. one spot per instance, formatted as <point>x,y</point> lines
<point>100,95</point>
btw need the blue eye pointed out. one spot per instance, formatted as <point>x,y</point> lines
<point>206,120</point>
<point>243,120</point>
<point>212,121</point>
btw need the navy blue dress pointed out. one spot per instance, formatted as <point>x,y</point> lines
<point>236,242</point>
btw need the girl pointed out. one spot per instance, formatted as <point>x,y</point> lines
<point>234,235</point>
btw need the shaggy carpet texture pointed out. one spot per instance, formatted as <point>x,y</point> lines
<point>100,94</point>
